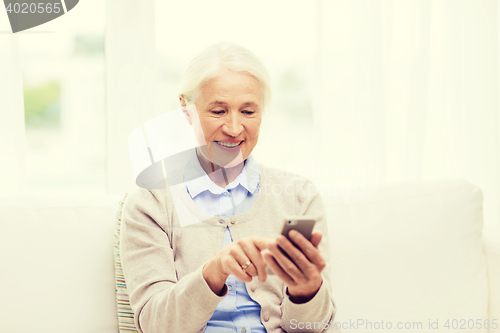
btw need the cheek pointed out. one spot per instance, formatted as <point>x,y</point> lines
<point>254,129</point>
<point>209,128</point>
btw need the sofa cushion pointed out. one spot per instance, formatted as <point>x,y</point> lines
<point>408,253</point>
<point>56,265</point>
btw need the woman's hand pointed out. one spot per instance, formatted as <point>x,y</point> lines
<point>303,275</point>
<point>231,259</point>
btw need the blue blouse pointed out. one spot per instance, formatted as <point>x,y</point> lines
<point>237,312</point>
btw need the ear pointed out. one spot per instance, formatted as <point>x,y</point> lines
<point>185,109</point>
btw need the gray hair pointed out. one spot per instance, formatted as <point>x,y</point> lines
<point>209,63</point>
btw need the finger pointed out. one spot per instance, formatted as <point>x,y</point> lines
<point>255,256</point>
<point>262,243</point>
<point>250,269</point>
<point>234,267</point>
<point>242,259</point>
<point>287,265</point>
<point>300,260</point>
<point>311,252</point>
<point>276,269</point>
<point>240,274</point>
<point>316,237</point>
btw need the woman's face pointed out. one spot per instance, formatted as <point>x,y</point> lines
<point>229,113</point>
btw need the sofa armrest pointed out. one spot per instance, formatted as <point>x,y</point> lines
<point>492,252</point>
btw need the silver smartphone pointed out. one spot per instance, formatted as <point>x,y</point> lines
<point>303,224</point>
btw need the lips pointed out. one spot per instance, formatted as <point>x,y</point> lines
<point>229,144</point>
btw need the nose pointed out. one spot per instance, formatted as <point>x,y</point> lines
<point>232,125</point>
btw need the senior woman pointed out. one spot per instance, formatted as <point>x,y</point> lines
<point>227,272</point>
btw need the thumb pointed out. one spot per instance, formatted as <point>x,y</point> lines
<point>316,238</point>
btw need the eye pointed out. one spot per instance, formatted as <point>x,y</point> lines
<point>248,112</point>
<point>218,112</point>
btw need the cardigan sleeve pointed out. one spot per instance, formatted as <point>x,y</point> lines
<point>317,314</point>
<point>160,302</point>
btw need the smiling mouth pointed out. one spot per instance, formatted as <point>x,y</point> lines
<point>228,144</point>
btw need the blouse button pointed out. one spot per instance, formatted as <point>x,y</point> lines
<point>266,318</point>
<point>252,289</point>
<point>233,221</point>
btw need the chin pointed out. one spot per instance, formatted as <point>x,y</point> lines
<point>226,159</point>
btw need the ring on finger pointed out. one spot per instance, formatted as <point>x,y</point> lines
<point>244,267</point>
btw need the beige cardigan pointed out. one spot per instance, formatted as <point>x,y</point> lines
<point>162,261</point>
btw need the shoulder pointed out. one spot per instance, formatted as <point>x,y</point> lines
<point>143,201</point>
<point>140,196</point>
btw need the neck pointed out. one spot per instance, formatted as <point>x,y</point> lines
<point>219,175</point>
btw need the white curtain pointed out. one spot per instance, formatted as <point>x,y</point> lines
<point>130,54</point>
<point>410,92</point>
<point>11,111</point>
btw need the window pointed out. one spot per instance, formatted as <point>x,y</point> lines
<point>62,64</point>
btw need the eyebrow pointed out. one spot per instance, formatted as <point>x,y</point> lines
<point>224,103</point>
<point>218,103</point>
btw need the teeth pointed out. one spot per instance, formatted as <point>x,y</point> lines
<point>227,144</point>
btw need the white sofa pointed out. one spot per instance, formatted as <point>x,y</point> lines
<point>408,253</point>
